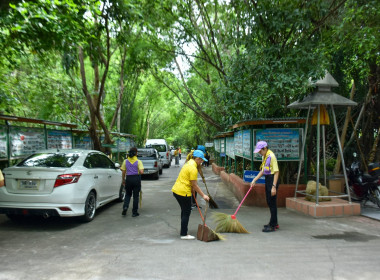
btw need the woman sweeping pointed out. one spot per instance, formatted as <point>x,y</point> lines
<point>131,170</point>
<point>183,188</point>
<point>268,168</point>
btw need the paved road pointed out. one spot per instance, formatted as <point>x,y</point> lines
<point>149,247</point>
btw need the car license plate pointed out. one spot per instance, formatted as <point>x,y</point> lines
<point>29,184</point>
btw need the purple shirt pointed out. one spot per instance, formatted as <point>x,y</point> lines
<point>132,169</point>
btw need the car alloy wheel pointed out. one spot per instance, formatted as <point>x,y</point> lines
<point>89,207</point>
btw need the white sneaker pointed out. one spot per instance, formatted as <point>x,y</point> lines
<point>187,237</point>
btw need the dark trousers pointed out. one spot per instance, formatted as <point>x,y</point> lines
<point>185,204</point>
<point>271,200</point>
<point>132,187</point>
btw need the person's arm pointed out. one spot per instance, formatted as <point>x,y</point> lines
<point>196,188</point>
<point>140,167</point>
<point>253,183</point>
<point>123,176</point>
<point>275,180</point>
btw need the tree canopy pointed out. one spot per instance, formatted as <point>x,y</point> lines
<point>185,69</point>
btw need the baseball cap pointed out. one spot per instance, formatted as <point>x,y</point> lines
<point>200,154</point>
<point>202,148</point>
<point>260,145</point>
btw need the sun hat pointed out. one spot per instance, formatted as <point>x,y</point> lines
<point>260,145</point>
<point>200,154</point>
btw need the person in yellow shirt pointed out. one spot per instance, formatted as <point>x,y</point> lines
<point>131,172</point>
<point>183,188</point>
<point>268,168</point>
<point>176,156</point>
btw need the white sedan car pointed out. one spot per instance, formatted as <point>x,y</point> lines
<point>62,183</point>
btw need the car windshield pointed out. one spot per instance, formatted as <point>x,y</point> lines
<point>50,160</point>
<point>159,148</point>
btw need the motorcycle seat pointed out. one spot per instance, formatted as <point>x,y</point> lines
<point>368,178</point>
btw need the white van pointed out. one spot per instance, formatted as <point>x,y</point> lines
<point>163,149</point>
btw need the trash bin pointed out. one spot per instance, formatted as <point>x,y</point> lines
<point>336,184</point>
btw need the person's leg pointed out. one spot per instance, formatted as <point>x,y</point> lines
<point>136,196</point>
<point>185,204</point>
<point>271,201</point>
<point>128,195</point>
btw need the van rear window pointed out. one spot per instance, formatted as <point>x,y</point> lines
<point>159,148</point>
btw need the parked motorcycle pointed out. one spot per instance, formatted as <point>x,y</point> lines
<point>364,186</point>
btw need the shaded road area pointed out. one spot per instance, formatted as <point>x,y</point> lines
<point>149,247</point>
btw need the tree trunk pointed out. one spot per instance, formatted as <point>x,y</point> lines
<point>93,127</point>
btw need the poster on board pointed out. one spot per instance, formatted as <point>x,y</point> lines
<point>247,144</point>
<point>222,146</point>
<point>25,141</point>
<point>238,143</point>
<point>217,145</point>
<point>284,142</point>
<point>3,142</point>
<point>230,148</point>
<point>82,142</point>
<point>58,139</point>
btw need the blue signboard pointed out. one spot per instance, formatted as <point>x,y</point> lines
<point>249,175</point>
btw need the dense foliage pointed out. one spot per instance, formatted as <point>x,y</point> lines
<point>185,69</point>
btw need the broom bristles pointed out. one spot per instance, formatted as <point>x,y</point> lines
<point>220,237</point>
<point>225,223</point>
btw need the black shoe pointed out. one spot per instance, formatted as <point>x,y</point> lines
<point>124,212</point>
<point>135,214</point>
<point>276,226</point>
<point>269,229</point>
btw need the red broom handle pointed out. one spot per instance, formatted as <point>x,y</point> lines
<point>234,215</point>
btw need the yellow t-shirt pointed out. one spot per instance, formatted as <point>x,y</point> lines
<point>269,164</point>
<point>188,173</point>
<point>132,160</point>
<point>1,176</point>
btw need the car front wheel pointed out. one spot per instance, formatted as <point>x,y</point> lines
<point>89,208</point>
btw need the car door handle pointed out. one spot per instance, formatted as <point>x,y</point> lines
<point>96,177</point>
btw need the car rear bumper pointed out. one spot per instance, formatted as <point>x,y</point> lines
<point>150,171</point>
<point>64,210</point>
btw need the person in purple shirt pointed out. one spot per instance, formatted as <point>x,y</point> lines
<point>268,168</point>
<point>132,169</point>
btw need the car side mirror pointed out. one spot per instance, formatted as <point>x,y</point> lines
<point>117,166</point>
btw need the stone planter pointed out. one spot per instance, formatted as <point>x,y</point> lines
<point>216,169</point>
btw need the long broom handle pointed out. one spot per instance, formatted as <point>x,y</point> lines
<point>204,181</point>
<point>241,202</point>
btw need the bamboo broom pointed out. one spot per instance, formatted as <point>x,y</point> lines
<point>229,223</point>
<point>212,235</point>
